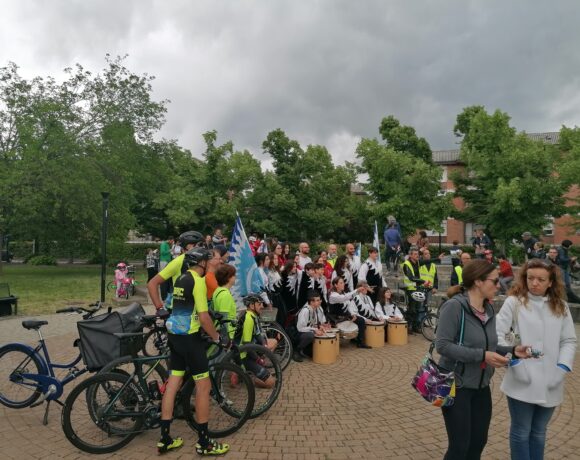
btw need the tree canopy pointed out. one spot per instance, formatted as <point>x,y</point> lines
<point>62,144</point>
<point>510,183</point>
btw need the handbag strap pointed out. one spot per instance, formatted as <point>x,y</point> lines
<point>462,327</point>
<point>461,332</point>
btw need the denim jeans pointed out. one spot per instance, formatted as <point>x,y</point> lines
<point>528,429</point>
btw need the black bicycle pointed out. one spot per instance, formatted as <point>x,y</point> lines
<point>422,319</point>
<point>266,395</point>
<point>105,412</point>
<point>284,350</point>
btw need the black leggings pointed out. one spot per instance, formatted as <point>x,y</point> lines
<point>467,423</point>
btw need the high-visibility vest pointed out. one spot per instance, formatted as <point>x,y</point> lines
<point>409,285</point>
<point>459,272</point>
<point>428,274</point>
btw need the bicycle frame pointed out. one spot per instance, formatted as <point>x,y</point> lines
<point>47,378</point>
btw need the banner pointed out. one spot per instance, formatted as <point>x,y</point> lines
<point>377,242</point>
<point>240,256</point>
<point>358,250</point>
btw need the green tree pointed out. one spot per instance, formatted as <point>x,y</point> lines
<point>569,170</point>
<point>61,144</point>
<point>400,184</point>
<point>508,184</point>
<point>404,139</point>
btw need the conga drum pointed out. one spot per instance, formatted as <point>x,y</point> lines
<point>375,334</point>
<point>397,333</point>
<point>336,331</point>
<point>324,349</point>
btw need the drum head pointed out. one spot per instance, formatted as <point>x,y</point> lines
<point>375,323</point>
<point>396,322</point>
<point>347,326</point>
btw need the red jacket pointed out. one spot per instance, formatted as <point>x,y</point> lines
<point>505,268</point>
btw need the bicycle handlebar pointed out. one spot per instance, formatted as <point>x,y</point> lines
<point>78,309</point>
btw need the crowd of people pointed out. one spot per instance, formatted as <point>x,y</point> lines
<point>313,293</point>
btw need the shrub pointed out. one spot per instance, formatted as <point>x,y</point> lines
<point>41,260</point>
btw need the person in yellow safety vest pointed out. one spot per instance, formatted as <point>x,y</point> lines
<point>457,273</point>
<point>412,279</point>
<point>428,272</point>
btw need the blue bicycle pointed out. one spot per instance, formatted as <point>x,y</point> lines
<point>27,377</point>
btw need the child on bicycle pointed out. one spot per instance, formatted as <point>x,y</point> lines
<point>249,331</point>
<point>121,272</point>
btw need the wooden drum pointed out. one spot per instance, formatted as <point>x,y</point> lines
<point>397,333</point>
<point>336,331</point>
<point>324,349</point>
<point>375,334</point>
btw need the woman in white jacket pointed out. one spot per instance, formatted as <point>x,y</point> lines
<point>535,313</point>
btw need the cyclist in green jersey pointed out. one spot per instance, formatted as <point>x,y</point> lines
<point>187,352</point>
<point>174,269</point>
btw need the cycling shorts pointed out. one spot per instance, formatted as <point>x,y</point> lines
<point>187,353</point>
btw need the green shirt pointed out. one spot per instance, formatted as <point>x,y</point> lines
<point>223,302</point>
<point>250,329</point>
<point>164,252</point>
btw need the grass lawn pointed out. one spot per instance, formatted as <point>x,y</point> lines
<point>46,289</point>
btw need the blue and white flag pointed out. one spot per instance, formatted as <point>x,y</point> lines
<point>358,250</point>
<point>248,278</point>
<point>377,242</point>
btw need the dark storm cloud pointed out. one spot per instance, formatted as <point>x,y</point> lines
<point>324,71</point>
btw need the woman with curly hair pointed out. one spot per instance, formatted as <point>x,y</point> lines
<point>536,313</point>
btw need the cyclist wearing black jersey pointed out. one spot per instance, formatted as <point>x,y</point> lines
<point>188,352</point>
<point>173,269</point>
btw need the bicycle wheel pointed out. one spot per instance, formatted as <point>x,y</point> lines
<point>155,343</point>
<point>428,326</point>
<point>265,397</point>
<point>17,391</point>
<point>103,413</point>
<point>284,350</point>
<point>230,406</point>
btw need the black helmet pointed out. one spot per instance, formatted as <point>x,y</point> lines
<point>195,255</point>
<point>251,298</point>
<point>190,237</point>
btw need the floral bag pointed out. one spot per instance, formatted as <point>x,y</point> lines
<point>435,384</point>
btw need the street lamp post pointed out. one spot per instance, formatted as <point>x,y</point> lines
<point>104,243</point>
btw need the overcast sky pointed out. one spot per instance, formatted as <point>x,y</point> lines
<point>325,72</point>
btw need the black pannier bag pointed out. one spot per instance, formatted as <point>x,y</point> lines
<point>99,345</point>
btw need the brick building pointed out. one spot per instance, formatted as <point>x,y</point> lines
<point>463,231</point>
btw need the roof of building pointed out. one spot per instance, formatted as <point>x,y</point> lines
<point>447,157</point>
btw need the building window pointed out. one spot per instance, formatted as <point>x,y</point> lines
<point>548,229</point>
<point>443,232</point>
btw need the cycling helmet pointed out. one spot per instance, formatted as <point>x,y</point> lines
<point>418,296</point>
<point>121,265</point>
<point>251,298</point>
<point>190,237</point>
<point>195,255</point>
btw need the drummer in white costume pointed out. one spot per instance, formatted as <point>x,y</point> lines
<point>311,323</point>
<point>385,309</point>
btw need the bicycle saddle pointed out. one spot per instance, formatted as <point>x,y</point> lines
<point>33,324</point>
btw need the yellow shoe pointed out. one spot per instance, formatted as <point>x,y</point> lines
<point>163,448</point>
<point>213,448</point>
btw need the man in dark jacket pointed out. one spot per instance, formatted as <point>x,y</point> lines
<point>529,242</point>
<point>565,263</point>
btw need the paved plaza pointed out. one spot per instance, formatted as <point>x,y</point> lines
<point>360,407</point>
